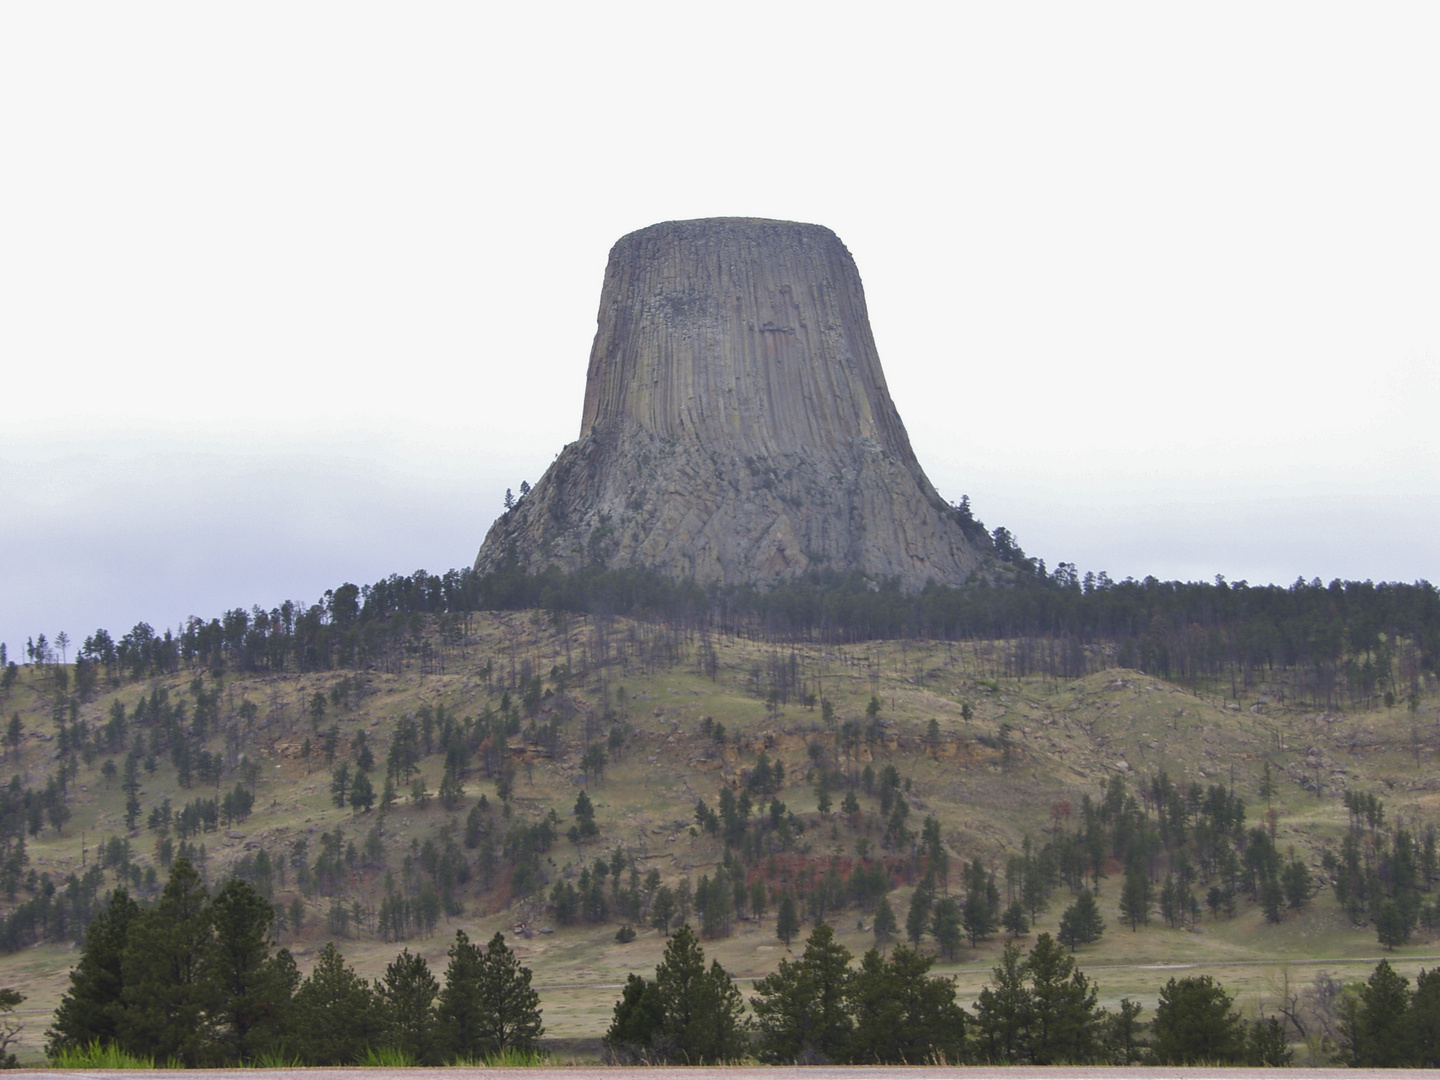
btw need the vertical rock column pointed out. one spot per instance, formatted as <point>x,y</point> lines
<point>737,426</point>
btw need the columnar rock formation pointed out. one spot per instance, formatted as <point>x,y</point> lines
<point>737,426</point>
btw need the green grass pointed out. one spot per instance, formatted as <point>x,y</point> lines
<point>509,1058</point>
<point>96,1056</point>
<point>277,1059</point>
<point>387,1057</point>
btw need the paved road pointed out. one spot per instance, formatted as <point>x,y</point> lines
<point>809,1073</point>
<point>1188,965</point>
<point>1087,968</point>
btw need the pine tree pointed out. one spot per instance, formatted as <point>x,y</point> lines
<point>169,1004</point>
<point>885,924</point>
<point>1390,926</point>
<point>1014,920</point>
<point>1267,784</point>
<point>981,920</point>
<point>702,1009</point>
<point>1065,1019</point>
<point>1193,1023</point>
<point>584,827</point>
<point>1169,900</point>
<point>1135,897</point>
<point>1122,1030</point>
<point>800,1013</point>
<point>1424,1020</point>
<point>636,1021</point>
<point>1266,1044</point>
<point>509,1008</point>
<point>982,902</point>
<point>946,923</point>
<point>406,1000</point>
<point>459,1010</point>
<point>89,1010</point>
<point>918,917</point>
<point>335,1014</point>
<point>250,988</point>
<point>902,1014</point>
<point>362,793</point>
<point>787,922</point>
<point>1081,923</point>
<point>662,909</point>
<point>1375,1026</point>
<point>1295,879</point>
<point>1003,1011</point>
<point>758,896</point>
<point>1035,891</point>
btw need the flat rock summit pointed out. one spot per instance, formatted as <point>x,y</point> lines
<point>737,427</point>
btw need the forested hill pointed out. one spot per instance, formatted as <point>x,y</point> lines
<point>1345,642</point>
<point>583,763</point>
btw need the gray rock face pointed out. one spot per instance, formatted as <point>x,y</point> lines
<point>737,426</point>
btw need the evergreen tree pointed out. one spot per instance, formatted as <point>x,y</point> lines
<point>584,827</point>
<point>787,922</point>
<point>1135,897</point>
<point>458,1013</point>
<point>509,1007</point>
<point>917,919</point>
<point>406,997</point>
<point>1193,1023</point>
<point>885,925</point>
<point>946,923</point>
<point>637,1021</point>
<point>758,897</point>
<point>335,1015</point>
<point>250,988</point>
<point>1065,1020</point>
<point>702,1009</point>
<point>902,1014</point>
<point>340,786</point>
<point>1122,1034</point>
<point>1375,1024</point>
<point>800,1011</point>
<point>1002,1011</point>
<point>1170,909</point>
<point>662,909</point>
<point>1014,920</point>
<point>89,1010</point>
<point>937,859</point>
<point>982,904</point>
<point>1035,889</point>
<point>1266,1045</point>
<point>1296,881</point>
<point>1272,898</point>
<point>169,1004</point>
<point>1390,926</point>
<point>1081,923</point>
<point>362,793</point>
<point>1267,784</point>
<point>1424,1020</point>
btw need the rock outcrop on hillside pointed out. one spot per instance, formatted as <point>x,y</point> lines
<point>737,427</point>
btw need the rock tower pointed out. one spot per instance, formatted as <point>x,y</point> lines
<point>737,426</point>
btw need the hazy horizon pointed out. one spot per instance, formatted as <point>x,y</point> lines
<point>291,296</point>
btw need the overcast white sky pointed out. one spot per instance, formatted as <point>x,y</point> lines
<point>290,293</point>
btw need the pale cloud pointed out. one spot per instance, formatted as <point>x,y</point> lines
<point>290,294</point>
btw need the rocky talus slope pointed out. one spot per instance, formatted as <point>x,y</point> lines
<point>737,426</point>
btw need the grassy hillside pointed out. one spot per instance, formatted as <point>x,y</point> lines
<point>681,715</point>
